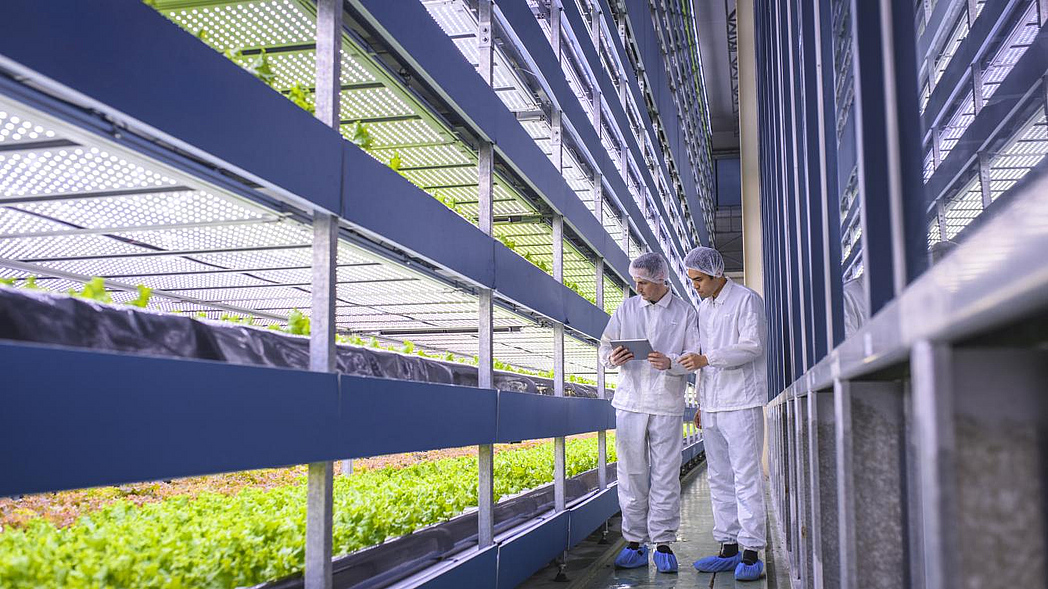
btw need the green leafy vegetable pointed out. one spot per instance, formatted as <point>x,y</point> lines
<point>259,535</point>
<point>301,96</point>
<point>258,66</point>
<point>144,293</point>
<point>362,136</point>
<point>298,323</point>
<point>95,290</point>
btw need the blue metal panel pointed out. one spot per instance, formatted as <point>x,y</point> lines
<point>878,263</point>
<point>382,203</point>
<point>383,416</point>
<point>527,284</point>
<point>527,416</point>
<point>143,67</point>
<point>816,199</point>
<point>409,28</point>
<point>583,315</point>
<point>521,556</point>
<point>111,419</point>
<point>478,571</point>
<point>831,199</point>
<point>910,160</point>
<point>587,415</point>
<point>587,516</point>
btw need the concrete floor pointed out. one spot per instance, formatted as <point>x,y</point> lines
<point>590,565</point>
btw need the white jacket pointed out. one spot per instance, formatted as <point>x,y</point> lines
<point>733,331</point>
<point>670,326</point>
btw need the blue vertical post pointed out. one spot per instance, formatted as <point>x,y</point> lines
<point>879,138</point>
<point>828,174</point>
<point>816,186</point>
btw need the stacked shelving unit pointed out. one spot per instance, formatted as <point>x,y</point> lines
<point>479,218</point>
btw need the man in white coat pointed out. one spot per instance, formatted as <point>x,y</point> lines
<point>733,389</point>
<point>649,403</point>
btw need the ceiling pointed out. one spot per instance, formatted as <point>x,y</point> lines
<point>716,24</point>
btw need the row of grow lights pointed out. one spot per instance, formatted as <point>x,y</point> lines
<point>398,128</point>
<point>76,206</point>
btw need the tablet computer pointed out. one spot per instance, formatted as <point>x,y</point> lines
<point>640,347</point>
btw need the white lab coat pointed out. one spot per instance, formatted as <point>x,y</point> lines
<point>649,406</point>
<point>732,392</point>
<point>732,334</point>
<point>670,326</point>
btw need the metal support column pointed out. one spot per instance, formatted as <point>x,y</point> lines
<point>556,143</point>
<point>984,178</point>
<point>485,326</point>
<point>977,87</point>
<point>320,484</point>
<point>602,435</point>
<point>558,365</point>
<point>934,431</point>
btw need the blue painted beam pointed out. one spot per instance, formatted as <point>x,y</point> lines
<point>521,556</point>
<point>409,30</point>
<point>143,68</point>
<point>113,419</point>
<point>384,205</point>
<point>479,571</point>
<point>526,416</point>
<point>589,515</point>
<point>135,418</point>
<point>386,416</point>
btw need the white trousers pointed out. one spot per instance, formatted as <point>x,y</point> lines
<point>649,453</point>
<point>733,441</point>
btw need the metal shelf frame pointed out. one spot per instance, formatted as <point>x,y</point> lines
<point>298,173</point>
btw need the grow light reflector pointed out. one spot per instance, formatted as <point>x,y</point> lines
<point>17,130</point>
<point>72,170</point>
<point>239,25</point>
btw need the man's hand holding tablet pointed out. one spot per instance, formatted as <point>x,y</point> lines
<point>631,349</point>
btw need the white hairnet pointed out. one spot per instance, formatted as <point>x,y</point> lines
<point>706,260</point>
<point>651,267</point>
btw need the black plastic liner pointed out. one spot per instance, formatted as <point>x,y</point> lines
<point>49,318</point>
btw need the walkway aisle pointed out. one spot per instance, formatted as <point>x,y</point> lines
<point>695,541</point>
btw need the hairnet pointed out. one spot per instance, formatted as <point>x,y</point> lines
<point>651,267</point>
<point>706,260</point>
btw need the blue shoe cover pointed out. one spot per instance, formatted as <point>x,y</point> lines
<point>718,564</point>
<point>749,572</point>
<point>631,559</point>
<point>666,562</point>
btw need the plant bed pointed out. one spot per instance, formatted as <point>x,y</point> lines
<point>58,319</point>
<point>257,535</point>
